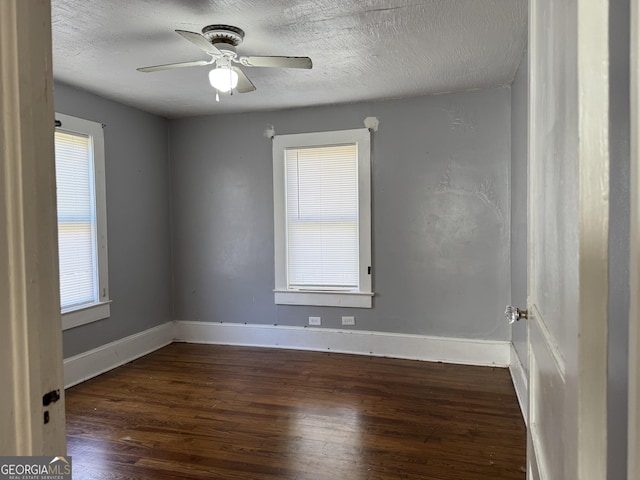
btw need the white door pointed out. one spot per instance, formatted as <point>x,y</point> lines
<point>31,338</point>
<point>568,230</point>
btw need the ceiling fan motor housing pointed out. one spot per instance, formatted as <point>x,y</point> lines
<point>225,34</point>
<point>224,37</point>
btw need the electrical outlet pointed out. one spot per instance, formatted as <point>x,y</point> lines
<point>314,320</point>
<point>348,320</point>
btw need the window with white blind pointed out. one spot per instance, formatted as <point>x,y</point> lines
<point>322,204</point>
<point>82,234</point>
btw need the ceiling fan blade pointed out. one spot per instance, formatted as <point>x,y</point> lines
<point>282,62</point>
<point>169,66</point>
<point>244,84</point>
<point>199,41</point>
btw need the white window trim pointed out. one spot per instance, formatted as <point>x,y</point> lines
<point>285,296</point>
<point>86,314</point>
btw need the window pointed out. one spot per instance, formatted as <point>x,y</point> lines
<point>82,232</point>
<point>322,204</point>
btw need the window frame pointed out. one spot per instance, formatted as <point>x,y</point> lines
<point>76,316</point>
<point>362,298</point>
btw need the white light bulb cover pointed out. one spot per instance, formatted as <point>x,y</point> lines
<point>223,79</point>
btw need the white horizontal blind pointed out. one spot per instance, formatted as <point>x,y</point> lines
<point>76,220</point>
<point>322,217</point>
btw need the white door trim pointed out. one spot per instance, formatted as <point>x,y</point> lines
<point>634,243</point>
<point>593,151</point>
<point>31,341</point>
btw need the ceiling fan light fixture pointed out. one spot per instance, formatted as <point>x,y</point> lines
<point>223,79</point>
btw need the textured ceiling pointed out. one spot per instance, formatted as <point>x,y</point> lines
<point>361,50</point>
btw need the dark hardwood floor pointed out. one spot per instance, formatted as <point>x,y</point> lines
<point>219,412</point>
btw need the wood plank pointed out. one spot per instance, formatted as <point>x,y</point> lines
<point>205,411</point>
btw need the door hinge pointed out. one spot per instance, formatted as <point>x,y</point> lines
<point>52,397</point>
<point>47,399</point>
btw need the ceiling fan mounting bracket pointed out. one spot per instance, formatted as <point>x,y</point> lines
<point>223,34</point>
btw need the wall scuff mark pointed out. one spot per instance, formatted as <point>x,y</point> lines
<point>459,120</point>
<point>485,192</point>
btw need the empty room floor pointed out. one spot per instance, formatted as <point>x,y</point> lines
<point>224,412</point>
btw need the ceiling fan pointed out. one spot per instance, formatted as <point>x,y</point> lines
<point>220,42</point>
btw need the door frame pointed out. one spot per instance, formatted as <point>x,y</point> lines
<point>578,386</point>
<point>593,309</point>
<point>31,341</point>
<point>633,450</point>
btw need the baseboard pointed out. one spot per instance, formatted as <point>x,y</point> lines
<point>417,347</point>
<point>90,364</point>
<point>520,383</point>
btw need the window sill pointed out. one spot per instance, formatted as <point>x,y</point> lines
<point>84,315</point>
<point>324,299</point>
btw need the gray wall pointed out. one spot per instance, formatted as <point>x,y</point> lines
<point>138,227</point>
<point>441,215</point>
<point>619,139</point>
<point>519,256</point>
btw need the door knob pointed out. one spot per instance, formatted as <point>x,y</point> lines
<point>514,314</point>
